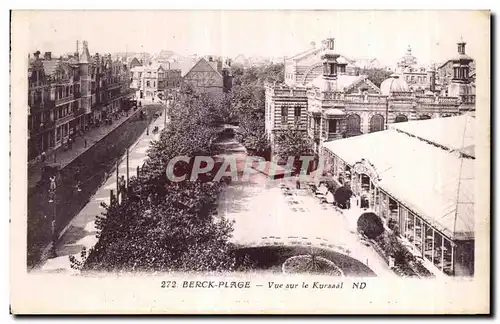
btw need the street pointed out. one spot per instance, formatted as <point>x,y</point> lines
<point>268,212</point>
<point>81,231</point>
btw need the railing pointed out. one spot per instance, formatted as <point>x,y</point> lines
<point>468,99</point>
<point>65,100</point>
<point>65,119</point>
<point>332,136</point>
<point>79,112</point>
<point>39,104</point>
<point>41,127</point>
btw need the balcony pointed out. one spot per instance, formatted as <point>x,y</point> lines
<point>333,136</point>
<point>65,100</point>
<point>41,127</point>
<point>79,112</point>
<point>42,105</point>
<point>65,119</point>
<point>470,99</point>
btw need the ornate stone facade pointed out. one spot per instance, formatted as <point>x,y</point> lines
<point>65,94</point>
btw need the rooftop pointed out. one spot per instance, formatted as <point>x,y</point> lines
<point>436,183</point>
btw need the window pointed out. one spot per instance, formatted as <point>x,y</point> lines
<point>332,126</point>
<point>297,111</point>
<point>154,84</point>
<point>147,84</point>
<point>284,114</point>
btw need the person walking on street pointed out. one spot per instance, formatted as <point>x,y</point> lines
<point>123,186</point>
<point>44,157</point>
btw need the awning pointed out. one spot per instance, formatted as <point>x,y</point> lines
<point>334,112</point>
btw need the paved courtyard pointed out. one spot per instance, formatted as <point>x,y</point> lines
<point>273,211</point>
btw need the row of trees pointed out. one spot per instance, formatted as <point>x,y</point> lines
<point>247,98</point>
<point>166,226</point>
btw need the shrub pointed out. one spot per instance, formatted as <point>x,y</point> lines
<point>342,195</point>
<point>370,225</point>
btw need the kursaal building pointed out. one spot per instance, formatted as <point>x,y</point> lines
<point>324,98</point>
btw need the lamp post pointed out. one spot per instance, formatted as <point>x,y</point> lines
<point>53,200</point>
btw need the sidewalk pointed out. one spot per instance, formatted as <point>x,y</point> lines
<point>64,158</point>
<point>81,231</point>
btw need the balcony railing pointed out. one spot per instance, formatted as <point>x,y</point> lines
<point>65,100</point>
<point>468,99</point>
<point>41,127</point>
<point>79,112</point>
<point>313,132</point>
<point>332,136</point>
<point>39,104</point>
<point>65,119</point>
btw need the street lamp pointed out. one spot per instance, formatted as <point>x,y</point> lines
<point>53,200</point>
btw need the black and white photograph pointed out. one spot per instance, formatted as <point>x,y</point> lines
<point>221,157</point>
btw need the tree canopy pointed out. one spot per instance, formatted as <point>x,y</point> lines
<point>377,76</point>
<point>291,142</point>
<point>166,226</point>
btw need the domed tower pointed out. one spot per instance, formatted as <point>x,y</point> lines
<point>394,84</point>
<point>341,65</point>
<point>460,83</point>
<point>329,58</point>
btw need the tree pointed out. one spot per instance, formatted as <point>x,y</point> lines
<point>377,76</point>
<point>293,143</point>
<point>163,225</point>
<point>342,196</point>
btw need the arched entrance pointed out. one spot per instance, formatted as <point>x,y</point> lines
<point>376,123</point>
<point>353,125</point>
<point>401,119</point>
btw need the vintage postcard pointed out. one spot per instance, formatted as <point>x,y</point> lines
<point>250,162</point>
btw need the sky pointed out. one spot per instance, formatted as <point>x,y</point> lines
<point>381,34</point>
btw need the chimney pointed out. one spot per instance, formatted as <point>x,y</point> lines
<point>37,55</point>
<point>431,74</point>
<point>47,56</point>
<point>219,65</point>
<point>210,59</point>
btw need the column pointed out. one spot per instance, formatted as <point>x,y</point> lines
<point>433,244</point>
<point>452,258</point>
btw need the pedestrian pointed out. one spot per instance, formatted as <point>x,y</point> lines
<point>44,157</point>
<point>297,181</point>
<point>122,186</point>
<point>52,188</point>
<point>85,142</point>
